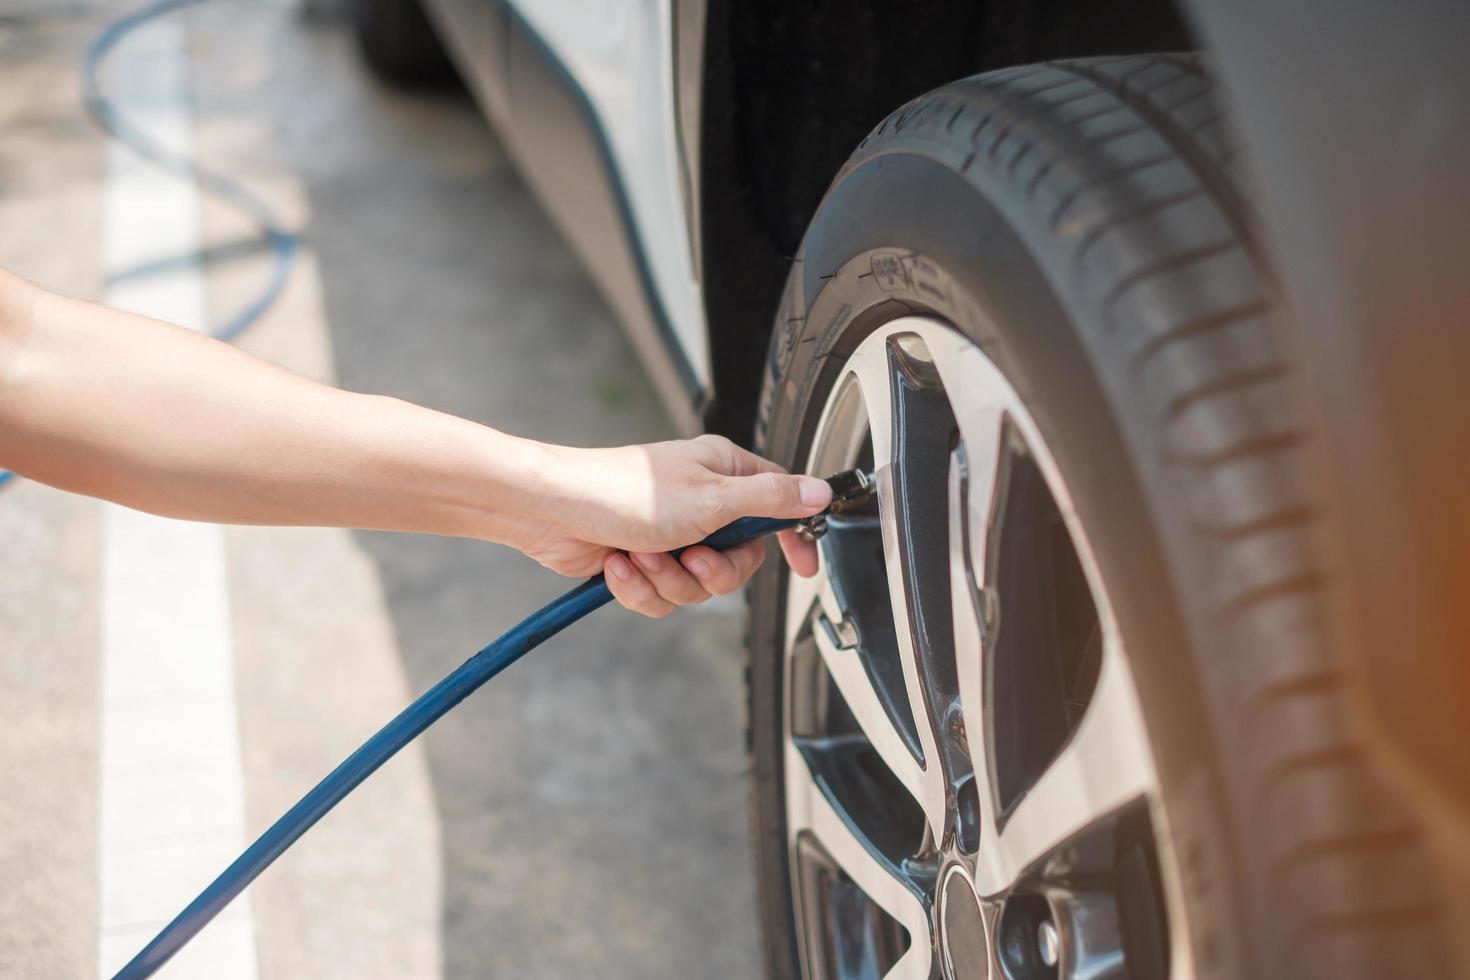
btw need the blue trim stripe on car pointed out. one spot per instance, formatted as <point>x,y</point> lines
<point>695,391</point>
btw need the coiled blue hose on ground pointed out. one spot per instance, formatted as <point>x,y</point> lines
<point>432,705</point>
<point>281,242</point>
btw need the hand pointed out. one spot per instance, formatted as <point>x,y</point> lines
<point>647,500</point>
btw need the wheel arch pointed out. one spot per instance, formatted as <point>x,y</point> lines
<point>787,90</point>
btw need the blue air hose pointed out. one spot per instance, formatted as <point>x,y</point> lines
<point>278,239</point>
<point>432,705</point>
<point>281,242</point>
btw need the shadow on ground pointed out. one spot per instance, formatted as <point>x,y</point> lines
<point>591,801</point>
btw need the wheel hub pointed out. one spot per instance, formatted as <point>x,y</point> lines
<point>962,932</point>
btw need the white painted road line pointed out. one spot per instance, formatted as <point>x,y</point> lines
<point>172,793</point>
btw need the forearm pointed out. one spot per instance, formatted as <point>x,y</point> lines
<point>158,418</point>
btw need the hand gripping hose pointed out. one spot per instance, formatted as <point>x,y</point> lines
<point>432,705</point>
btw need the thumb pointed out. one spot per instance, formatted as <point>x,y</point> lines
<point>773,495</point>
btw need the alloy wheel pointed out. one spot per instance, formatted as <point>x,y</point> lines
<point>969,787</point>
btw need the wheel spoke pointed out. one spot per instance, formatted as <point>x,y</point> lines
<point>870,375</point>
<point>904,629</point>
<point>1105,765</point>
<point>811,811</point>
<point>874,369</point>
<point>932,794</point>
<point>804,598</point>
<point>852,680</point>
<point>972,487</point>
<point>980,399</point>
<point>917,963</point>
<point>981,402</point>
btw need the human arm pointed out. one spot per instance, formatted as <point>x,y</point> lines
<point>156,417</point>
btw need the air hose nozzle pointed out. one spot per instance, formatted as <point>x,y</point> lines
<point>850,489</point>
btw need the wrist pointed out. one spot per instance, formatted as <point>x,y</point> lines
<point>559,494</point>
<point>466,479</point>
<point>519,491</point>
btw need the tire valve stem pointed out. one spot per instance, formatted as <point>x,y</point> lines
<point>850,488</point>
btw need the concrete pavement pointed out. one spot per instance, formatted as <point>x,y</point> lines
<point>585,815</point>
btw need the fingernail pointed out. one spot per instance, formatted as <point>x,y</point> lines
<point>620,567</point>
<point>699,567</point>
<point>649,562</point>
<point>814,491</point>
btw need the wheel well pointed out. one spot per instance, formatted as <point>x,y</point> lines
<point>791,88</point>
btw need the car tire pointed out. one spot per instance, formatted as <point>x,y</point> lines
<point>399,44</point>
<point>1083,225</point>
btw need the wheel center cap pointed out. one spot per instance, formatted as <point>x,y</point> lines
<point>962,939</point>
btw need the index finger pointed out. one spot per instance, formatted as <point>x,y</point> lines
<point>743,462</point>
